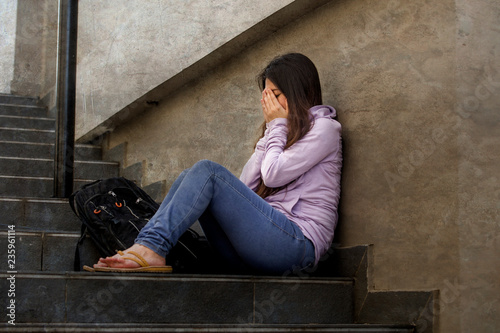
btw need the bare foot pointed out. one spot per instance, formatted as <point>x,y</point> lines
<point>120,261</point>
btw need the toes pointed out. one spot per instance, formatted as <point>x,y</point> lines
<point>107,262</point>
<point>116,261</point>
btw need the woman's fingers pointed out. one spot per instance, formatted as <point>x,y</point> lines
<point>274,101</point>
<point>271,106</point>
<point>269,101</point>
<point>267,106</point>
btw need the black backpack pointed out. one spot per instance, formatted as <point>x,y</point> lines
<point>113,211</point>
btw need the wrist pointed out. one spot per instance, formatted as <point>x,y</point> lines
<point>276,121</point>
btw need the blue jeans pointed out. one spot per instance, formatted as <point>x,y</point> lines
<point>238,224</point>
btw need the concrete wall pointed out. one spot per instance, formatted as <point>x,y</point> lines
<point>33,66</point>
<point>417,87</point>
<point>128,48</point>
<point>8,14</point>
<point>478,138</point>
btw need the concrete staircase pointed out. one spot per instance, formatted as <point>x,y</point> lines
<point>48,296</point>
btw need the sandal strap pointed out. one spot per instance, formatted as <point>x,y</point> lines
<point>144,262</point>
<point>140,260</point>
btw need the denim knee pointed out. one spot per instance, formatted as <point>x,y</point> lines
<point>204,164</point>
<point>211,166</point>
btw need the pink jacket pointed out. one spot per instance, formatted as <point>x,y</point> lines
<point>315,162</point>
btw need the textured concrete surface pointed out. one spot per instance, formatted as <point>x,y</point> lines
<point>127,48</point>
<point>478,139</point>
<point>416,87</point>
<point>36,49</point>
<point>8,14</point>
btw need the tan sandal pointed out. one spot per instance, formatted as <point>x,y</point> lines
<point>145,267</point>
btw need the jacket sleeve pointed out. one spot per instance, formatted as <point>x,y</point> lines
<point>251,171</point>
<point>279,167</point>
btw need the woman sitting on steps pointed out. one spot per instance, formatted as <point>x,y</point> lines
<point>282,212</point>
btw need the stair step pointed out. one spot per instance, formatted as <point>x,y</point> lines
<point>40,215</point>
<point>32,187</point>
<point>20,100</point>
<point>27,135</point>
<point>188,299</point>
<point>37,167</point>
<point>207,328</point>
<point>45,251</point>
<point>83,152</point>
<point>27,122</point>
<point>23,110</point>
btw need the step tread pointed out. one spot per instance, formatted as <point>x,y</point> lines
<point>27,129</point>
<point>180,299</point>
<point>18,99</point>
<point>42,178</point>
<point>83,152</point>
<point>27,143</point>
<point>47,200</point>
<point>24,106</point>
<point>27,117</point>
<point>10,109</point>
<point>213,328</point>
<point>72,275</point>
<point>25,177</point>
<point>44,167</point>
<point>27,122</point>
<point>51,160</point>
<point>27,231</point>
<point>27,134</point>
<point>33,187</point>
<point>82,145</point>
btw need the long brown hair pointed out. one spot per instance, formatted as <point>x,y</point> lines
<point>296,76</point>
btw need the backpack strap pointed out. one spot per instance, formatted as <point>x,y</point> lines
<point>77,263</point>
